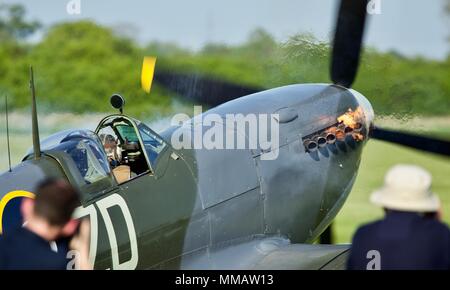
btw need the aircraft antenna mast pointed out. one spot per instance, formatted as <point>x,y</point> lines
<point>7,132</point>
<point>34,119</point>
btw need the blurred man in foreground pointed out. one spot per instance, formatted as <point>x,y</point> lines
<point>48,219</point>
<point>411,235</point>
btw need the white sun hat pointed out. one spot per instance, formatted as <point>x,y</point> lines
<point>406,188</point>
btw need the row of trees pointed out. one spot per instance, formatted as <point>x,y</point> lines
<point>80,64</point>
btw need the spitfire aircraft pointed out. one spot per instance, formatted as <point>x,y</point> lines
<point>161,207</point>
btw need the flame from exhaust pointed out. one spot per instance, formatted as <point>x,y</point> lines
<point>351,118</point>
<point>354,120</point>
<point>348,124</point>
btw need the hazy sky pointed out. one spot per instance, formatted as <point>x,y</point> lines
<point>412,27</point>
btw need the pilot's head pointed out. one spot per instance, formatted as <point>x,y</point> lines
<point>109,142</point>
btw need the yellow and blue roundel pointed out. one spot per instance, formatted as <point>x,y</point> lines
<point>10,215</point>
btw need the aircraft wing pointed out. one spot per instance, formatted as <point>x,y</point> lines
<point>264,253</point>
<point>305,257</point>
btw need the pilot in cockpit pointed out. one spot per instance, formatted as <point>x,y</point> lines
<point>121,171</point>
<point>112,149</point>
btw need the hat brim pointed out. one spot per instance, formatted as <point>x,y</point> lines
<point>383,199</point>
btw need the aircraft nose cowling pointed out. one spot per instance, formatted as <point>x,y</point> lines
<point>296,192</point>
<point>305,187</point>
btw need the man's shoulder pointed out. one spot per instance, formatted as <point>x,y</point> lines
<point>24,251</point>
<point>369,227</point>
<point>10,241</point>
<point>437,226</point>
<point>13,235</point>
<point>4,240</point>
<point>22,240</point>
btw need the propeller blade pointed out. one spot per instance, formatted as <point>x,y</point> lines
<point>348,41</point>
<point>147,73</point>
<point>201,89</point>
<point>411,140</point>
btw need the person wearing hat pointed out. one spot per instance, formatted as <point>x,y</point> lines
<point>410,236</point>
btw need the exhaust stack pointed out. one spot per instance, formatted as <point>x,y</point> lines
<point>310,145</point>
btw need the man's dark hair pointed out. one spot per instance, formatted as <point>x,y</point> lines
<point>55,201</point>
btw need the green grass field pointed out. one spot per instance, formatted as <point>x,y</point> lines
<point>377,158</point>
